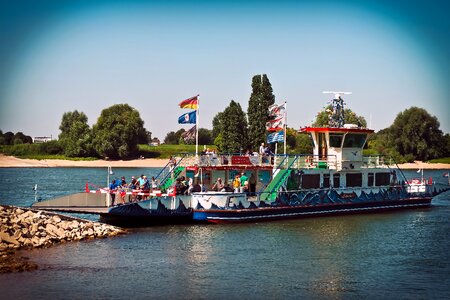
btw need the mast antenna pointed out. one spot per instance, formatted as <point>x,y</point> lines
<point>336,114</point>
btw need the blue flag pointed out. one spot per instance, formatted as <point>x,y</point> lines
<point>275,137</point>
<point>187,118</point>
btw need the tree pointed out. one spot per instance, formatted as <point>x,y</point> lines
<point>9,138</point>
<point>350,118</point>
<point>260,100</point>
<point>76,135</point>
<point>417,133</point>
<point>173,138</point>
<point>204,137</point>
<point>118,131</point>
<point>232,137</point>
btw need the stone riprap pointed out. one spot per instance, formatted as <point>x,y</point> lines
<point>22,228</point>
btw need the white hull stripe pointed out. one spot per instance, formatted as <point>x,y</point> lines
<point>317,212</point>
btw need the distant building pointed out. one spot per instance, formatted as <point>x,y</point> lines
<point>155,142</point>
<point>42,139</point>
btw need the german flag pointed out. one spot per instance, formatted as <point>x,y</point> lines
<point>191,103</point>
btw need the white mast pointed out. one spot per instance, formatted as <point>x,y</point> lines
<point>285,125</point>
<point>197,117</point>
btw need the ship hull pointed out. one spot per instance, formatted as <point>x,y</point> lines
<point>292,212</point>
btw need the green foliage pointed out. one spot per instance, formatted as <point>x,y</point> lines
<point>76,136</point>
<point>444,160</point>
<point>260,100</point>
<point>204,137</point>
<point>217,127</point>
<point>118,131</point>
<point>166,150</point>
<point>417,133</point>
<point>233,129</point>
<point>32,150</point>
<point>10,138</point>
<point>173,138</point>
<point>350,118</point>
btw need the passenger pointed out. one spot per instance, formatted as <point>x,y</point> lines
<point>123,189</point>
<point>172,163</point>
<point>236,183</point>
<point>196,188</point>
<point>140,185</point>
<point>262,149</point>
<point>146,188</point>
<point>132,188</point>
<point>227,188</point>
<point>244,180</point>
<point>112,191</point>
<point>154,183</point>
<point>190,186</point>
<point>218,186</point>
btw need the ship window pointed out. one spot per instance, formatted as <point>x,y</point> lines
<point>326,180</point>
<point>382,179</point>
<point>354,179</point>
<point>370,179</point>
<point>354,140</point>
<point>336,140</point>
<point>336,180</point>
<point>311,181</point>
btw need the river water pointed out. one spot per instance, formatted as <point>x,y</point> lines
<point>403,254</point>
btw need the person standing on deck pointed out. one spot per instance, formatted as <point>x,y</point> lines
<point>244,183</point>
<point>112,191</point>
<point>236,183</point>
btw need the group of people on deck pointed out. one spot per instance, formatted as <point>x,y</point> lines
<point>137,186</point>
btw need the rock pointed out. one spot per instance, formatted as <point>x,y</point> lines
<point>55,231</point>
<point>4,237</point>
<point>19,211</point>
<point>56,219</point>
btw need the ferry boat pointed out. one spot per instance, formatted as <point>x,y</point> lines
<point>336,179</point>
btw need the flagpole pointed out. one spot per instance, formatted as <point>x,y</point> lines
<point>285,125</point>
<point>196,125</point>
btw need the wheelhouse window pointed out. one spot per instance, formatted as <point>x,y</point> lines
<point>354,140</point>
<point>354,179</point>
<point>336,180</point>
<point>336,140</point>
<point>382,179</point>
<point>311,181</point>
<point>370,179</point>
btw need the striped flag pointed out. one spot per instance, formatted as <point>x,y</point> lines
<point>191,103</point>
<point>275,125</point>
<point>189,135</point>
<point>276,110</point>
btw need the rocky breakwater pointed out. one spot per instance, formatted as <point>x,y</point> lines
<point>22,228</point>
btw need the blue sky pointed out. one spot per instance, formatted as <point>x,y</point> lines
<point>58,56</point>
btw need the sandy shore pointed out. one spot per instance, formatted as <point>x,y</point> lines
<point>14,162</point>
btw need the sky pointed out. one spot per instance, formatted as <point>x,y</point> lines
<point>60,56</point>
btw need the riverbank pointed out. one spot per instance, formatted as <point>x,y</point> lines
<point>14,162</point>
<point>22,228</point>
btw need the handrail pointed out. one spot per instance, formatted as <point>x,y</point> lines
<point>168,173</point>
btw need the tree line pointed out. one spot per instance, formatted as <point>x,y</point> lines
<point>414,134</point>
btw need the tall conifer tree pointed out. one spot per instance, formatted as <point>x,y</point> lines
<point>260,100</point>
<point>231,129</point>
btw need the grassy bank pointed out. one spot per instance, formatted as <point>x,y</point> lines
<point>444,160</point>
<point>164,150</point>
